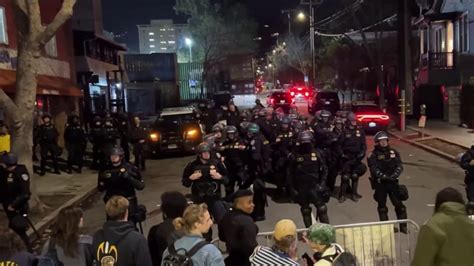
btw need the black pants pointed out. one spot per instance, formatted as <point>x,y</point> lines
<point>96,155</point>
<point>138,152</point>
<point>469,181</point>
<point>51,149</point>
<point>126,149</point>
<point>20,229</point>
<point>75,155</point>
<point>236,176</point>
<point>391,190</point>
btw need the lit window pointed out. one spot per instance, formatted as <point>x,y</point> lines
<point>152,46</point>
<point>152,40</point>
<point>162,29</point>
<point>51,48</point>
<point>163,42</point>
<point>152,52</point>
<point>151,33</point>
<point>163,48</point>
<point>463,33</point>
<point>171,42</point>
<point>161,36</point>
<point>3,26</point>
<point>171,29</point>
<point>171,36</point>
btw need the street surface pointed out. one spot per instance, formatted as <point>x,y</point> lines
<point>425,174</point>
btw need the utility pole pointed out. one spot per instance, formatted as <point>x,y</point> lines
<point>404,61</point>
<point>311,4</point>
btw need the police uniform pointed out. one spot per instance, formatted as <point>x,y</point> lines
<point>206,189</point>
<point>233,153</point>
<point>121,180</point>
<point>354,147</point>
<point>111,136</point>
<point>467,163</point>
<point>97,135</point>
<point>48,141</point>
<point>386,167</point>
<point>281,148</point>
<point>123,130</point>
<point>307,175</point>
<point>75,139</point>
<point>137,134</point>
<point>15,192</point>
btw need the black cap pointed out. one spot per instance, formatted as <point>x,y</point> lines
<point>241,193</point>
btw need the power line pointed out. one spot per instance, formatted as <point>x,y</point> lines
<point>339,13</point>
<point>355,31</point>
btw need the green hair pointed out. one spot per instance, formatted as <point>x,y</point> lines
<point>322,234</point>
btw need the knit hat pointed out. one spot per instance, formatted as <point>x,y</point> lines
<point>284,228</point>
<point>323,234</point>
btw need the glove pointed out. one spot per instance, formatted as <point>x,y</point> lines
<point>386,178</point>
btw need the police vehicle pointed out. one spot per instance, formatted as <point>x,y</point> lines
<point>175,130</point>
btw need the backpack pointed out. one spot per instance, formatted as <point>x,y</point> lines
<point>51,256</point>
<point>176,259</point>
<point>341,258</point>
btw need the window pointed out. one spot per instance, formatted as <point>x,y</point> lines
<point>152,40</point>
<point>171,29</point>
<point>162,29</point>
<point>51,48</point>
<point>171,42</point>
<point>440,40</point>
<point>151,33</point>
<point>163,48</point>
<point>3,26</point>
<point>152,46</point>
<point>424,34</point>
<point>163,42</point>
<point>463,33</point>
<point>152,52</point>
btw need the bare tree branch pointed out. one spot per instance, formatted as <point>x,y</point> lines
<point>61,17</point>
<point>34,17</point>
<point>21,5</point>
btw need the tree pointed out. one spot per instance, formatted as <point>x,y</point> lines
<point>217,30</point>
<point>298,53</point>
<point>32,36</point>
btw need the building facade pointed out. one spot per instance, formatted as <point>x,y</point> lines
<point>445,80</point>
<point>57,93</point>
<point>160,36</point>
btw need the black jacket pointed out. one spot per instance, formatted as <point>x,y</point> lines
<point>120,243</point>
<point>47,134</point>
<point>15,188</point>
<point>238,230</point>
<point>120,180</point>
<point>204,188</point>
<point>160,237</point>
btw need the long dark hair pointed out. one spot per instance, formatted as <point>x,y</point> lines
<point>448,194</point>
<point>66,230</point>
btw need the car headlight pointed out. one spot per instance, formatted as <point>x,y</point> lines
<point>191,133</point>
<point>154,137</point>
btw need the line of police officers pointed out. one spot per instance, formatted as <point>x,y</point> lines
<point>302,158</point>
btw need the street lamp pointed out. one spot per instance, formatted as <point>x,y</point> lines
<point>189,43</point>
<point>301,16</point>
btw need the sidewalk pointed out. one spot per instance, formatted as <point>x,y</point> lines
<point>447,132</point>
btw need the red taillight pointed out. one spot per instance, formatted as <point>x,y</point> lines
<point>306,94</point>
<point>292,93</point>
<point>381,117</point>
<point>300,89</point>
<point>272,101</point>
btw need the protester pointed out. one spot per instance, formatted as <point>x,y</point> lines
<point>118,243</point>
<point>321,238</point>
<point>4,138</point>
<point>13,250</point>
<point>164,234</point>
<point>284,250</point>
<point>71,247</point>
<point>196,221</point>
<point>448,237</point>
<point>238,230</point>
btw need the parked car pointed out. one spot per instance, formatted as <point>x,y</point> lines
<point>175,130</point>
<point>324,100</point>
<point>301,92</point>
<point>280,99</point>
<point>370,116</point>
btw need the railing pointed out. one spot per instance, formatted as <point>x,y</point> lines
<point>442,60</point>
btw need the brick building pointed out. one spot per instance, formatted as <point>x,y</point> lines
<point>57,93</point>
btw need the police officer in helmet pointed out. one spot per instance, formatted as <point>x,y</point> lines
<point>97,136</point>
<point>233,153</point>
<point>307,173</point>
<point>386,167</point>
<point>120,178</point>
<point>353,149</point>
<point>75,139</point>
<point>48,140</point>
<point>467,163</point>
<point>15,193</point>
<point>205,176</point>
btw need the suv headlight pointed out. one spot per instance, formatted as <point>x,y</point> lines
<point>155,137</point>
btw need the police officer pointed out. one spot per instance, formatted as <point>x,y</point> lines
<point>323,130</point>
<point>15,193</point>
<point>336,154</point>
<point>386,167</point>
<point>263,121</point>
<point>467,163</point>
<point>97,136</point>
<point>111,136</point>
<point>48,141</point>
<point>233,152</point>
<point>138,135</point>
<point>258,166</point>
<point>75,140</point>
<point>123,127</point>
<point>281,148</point>
<point>208,117</point>
<point>120,178</point>
<point>307,173</point>
<point>232,115</point>
<point>258,105</point>
<point>204,176</point>
<point>353,146</point>
<point>218,133</point>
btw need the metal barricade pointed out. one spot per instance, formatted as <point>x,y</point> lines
<point>374,243</point>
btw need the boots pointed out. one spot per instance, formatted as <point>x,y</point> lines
<point>308,221</point>
<point>323,214</point>
<point>383,213</point>
<point>402,215</point>
<point>344,186</point>
<point>354,195</point>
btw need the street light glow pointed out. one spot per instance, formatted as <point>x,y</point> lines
<point>269,65</point>
<point>301,16</point>
<point>188,41</point>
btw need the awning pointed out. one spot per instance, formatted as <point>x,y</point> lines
<point>47,85</point>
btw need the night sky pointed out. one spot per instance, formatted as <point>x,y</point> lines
<point>122,16</point>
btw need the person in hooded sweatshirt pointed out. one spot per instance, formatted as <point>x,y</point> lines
<point>13,250</point>
<point>118,243</point>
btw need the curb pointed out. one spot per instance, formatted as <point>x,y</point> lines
<point>44,223</point>
<point>425,147</point>
<point>444,140</point>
